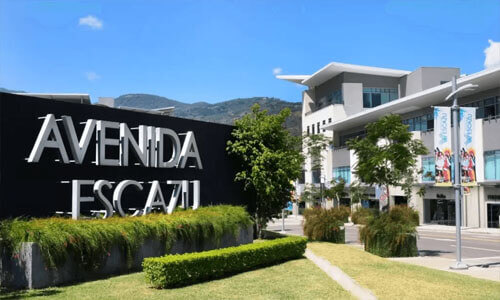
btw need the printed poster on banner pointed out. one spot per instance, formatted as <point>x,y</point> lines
<point>467,146</point>
<point>442,145</point>
<point>381,195</point>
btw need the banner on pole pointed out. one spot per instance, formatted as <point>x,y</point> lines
<point>381,194</point>
<point>442,145</point>
<point>467,146</point>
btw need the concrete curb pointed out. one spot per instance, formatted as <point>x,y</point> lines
<point>340,277</point>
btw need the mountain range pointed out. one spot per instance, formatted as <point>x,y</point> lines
<point>223,112</point>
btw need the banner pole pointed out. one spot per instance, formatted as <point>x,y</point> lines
<point>455,109</point>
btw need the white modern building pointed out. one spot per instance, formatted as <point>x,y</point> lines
<point>342,98</point>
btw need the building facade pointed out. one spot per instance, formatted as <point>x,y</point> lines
<point>342,98</point>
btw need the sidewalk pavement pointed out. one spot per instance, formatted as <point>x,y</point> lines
<point>432,227</point>
<point>476,269</point>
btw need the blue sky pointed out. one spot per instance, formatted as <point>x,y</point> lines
<point>218,50</point>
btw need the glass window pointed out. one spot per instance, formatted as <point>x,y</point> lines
<point>486,108</point>
<point>430,121</point>
<point>316,174</point>
<point>385,98</point>
<point>329,120</point>
<point>342,173</point>
<point>336,97</point>
<point>376,99</point>
<point>421,123</point>
<point>428,169</point>
<point>324,122</point>
<point>373,97</point>
<point>492,165</point>
<point>307,130</point>
<point>366,100</point>
<point>317,127</point>
<point>412,126</point>
<point>418,123</point>
<point>313,129</point>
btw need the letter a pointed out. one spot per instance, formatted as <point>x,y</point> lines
<point>155,198</point>
<point>189,149</point>
<point>48,137</point>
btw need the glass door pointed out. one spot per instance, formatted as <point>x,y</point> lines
<point>493,215</point>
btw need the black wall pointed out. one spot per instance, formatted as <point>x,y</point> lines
<point>34,189</point>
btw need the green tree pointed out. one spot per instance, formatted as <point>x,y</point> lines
<point>269,161</point>
<point>311,193</point>
<point>387,156</point>
<point>357,192</point>
<point>336,190</point>
<point>314,145</point>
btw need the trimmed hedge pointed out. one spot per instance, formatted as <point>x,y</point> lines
<point>392,234</point>
<point>325,224</point>
<point>183,269</point>
<point>89,241</point>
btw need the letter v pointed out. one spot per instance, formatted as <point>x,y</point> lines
<point>78,149</point>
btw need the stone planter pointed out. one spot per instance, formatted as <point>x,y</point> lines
<point>28,269</point>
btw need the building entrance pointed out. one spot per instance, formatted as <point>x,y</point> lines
<point>400,200</point>
<point>441,211</point>
<point>370,203</point>
<point>493,213</point>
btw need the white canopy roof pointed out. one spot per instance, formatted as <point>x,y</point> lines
<point>335,68</point>
<point>487,79</point>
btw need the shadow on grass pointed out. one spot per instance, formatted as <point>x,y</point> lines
<point>17,294</point>
<point>8,293</point>
<point>225,276</point>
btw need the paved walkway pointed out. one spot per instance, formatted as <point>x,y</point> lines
<point>340,277</point>
<point>476,269</point>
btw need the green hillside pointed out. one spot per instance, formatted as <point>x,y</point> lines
<point>223,112</point>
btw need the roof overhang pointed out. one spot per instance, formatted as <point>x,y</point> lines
<point>294,78</point>
<point>335,68</point>
<point>487,79</point>
<point>74,98</point>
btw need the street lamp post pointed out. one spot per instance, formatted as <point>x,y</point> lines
<point>455,109</point>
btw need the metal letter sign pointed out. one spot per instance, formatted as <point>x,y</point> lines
<point>58,157</point>
<point>148,150</point>
<point>442,145</point>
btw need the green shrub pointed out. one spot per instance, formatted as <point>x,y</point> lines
<point>325,224</point>
<point>89,241</point>
<point>361,215</point>
<point>343,213</point>
<point>189,268</point>
<point>392,233</point>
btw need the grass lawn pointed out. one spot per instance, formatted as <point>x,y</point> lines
<point>395,280</point>
<point>296,279</point>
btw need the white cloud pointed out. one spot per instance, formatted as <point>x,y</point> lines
<point>92,76</point>
<point>492,53</point>
<point>90,21</point>
<point>277,71</point>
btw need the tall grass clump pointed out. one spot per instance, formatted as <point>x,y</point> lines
<point>89,242</point>
<point>392,233</point>
<point>361,215</point>
<point>325,224</point>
